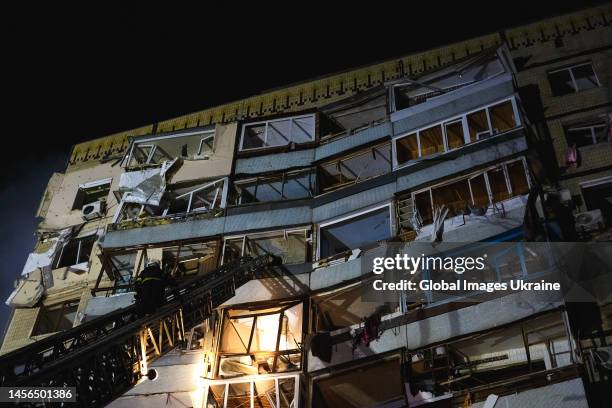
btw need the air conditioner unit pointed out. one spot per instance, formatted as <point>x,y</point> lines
<point>93,210</point>
<point>589,220</point>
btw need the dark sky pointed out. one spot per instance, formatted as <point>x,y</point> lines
<point>76,72</point>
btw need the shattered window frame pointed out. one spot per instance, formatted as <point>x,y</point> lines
<point>356,216</point>
<point>218,393</point>
<point>269,128</point>
<point>573,87</point>
<point>220,197</point>
<point>468,177</point>
<point>244,239</point>
<point>253,338</point>
<point>377,153</point>
<point>467,138</point>
<point>55,317</point>
<point>82,254</point>
<point>434,87</point>
<point>91,192</point>
<point>241,187</point>
<point>147,158</point>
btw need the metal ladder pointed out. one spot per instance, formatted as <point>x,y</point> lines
<point>106,356</point>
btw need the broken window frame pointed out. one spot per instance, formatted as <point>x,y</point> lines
<point>267,123</point>
<point>466,132</point>
<point>591,126</point>
<point>283,178</point>
<point>575,86</point>
<point>375,151</point>
<point>248,350</point>
<point>149,142</point>
<point>80,251</point>
<point>252,380</point>
<point>352,216</point>
<point>68,306</point>
<point>190,194</point>
<point>285,232</point>
<point>429,85</point>
<point>469,177</point>
<point>99,189</point>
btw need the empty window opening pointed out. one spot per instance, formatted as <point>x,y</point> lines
<point>190,259</point>
<point>279,132</point>
<point>56,318</point>
<point>448,79</point>
<point>278,392</point>
<point>473,193</point>
<point>91,192</point>
<point>261,341</point>
<point>291,246</point>
<point>498,355</point>
<point>370,385</point>
<point>202,198</point>
<point>355,232</point>
<point>75,251</point>
<point>286,186</point>
<point>354,168</point>
<point>154,151</point>
<point>573,79</point>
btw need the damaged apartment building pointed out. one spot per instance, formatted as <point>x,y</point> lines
<point>463,143</point>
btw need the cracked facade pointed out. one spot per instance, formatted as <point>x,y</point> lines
<point>319,174</point>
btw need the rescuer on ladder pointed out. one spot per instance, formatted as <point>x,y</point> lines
<point>150,288</point>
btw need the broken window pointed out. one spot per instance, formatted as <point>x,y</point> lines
<point>517,178</point>
<point>278,132</point>
<point>261,341</point>
<point>586,134</point>
<point>56,318</point>
<point>287,186</point>
<point>91,192</point>
<point>502,117</point>
<point>407,148</point>
<point>431,140</point>
<point>498,356</point>
<point>354,232</point>
<point>190,259</point>
<point>369,385</point>
<point>354,168</point>
<point>414,92</point>
<point>292,246</point>
<point>278,392</point>
<point>424,207</point>
<point>455,133</point>
<point>573,79</point>
<point>354,112</point>
<point>75,251</point>
<point>478,190</point>
<point>346,306</point>
<point>478,125</point>
<point>155,150</point>
<point>455,196</point>
<point>499,187</point>
<point>201,198</point>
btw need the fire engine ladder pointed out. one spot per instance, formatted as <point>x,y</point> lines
<point>106,356</point>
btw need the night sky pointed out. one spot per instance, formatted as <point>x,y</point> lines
<point>73,73</point>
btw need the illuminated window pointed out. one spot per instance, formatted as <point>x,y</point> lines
<point>261,341</point>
